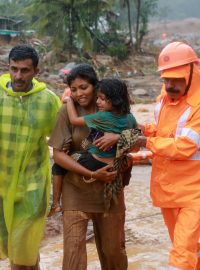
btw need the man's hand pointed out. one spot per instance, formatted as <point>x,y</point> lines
<point>106,141</point>
<point>141,142</point>
<point>142,127</point>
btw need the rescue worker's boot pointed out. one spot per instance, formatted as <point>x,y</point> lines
<point>57,190</point>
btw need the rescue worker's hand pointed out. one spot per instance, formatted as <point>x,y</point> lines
<point>141,142</point>
<point>140,126</point>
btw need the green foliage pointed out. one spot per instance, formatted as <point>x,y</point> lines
<point>120,51</point>
<point>145,9</point>
<point>83,39</point>
<point>10,8</point>
<point>85,25</point>
<point>138,13</point>
<point>72,24</point>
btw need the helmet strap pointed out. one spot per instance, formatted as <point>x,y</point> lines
<point>190,78</point>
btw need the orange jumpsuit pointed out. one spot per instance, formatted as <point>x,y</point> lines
<point>174,140</point>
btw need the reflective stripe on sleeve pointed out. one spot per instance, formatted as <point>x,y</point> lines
<point>157,110</point>
<point>196,156</point>
<point>192,135</point>
<point>173,268</point>
<point>181,122</point>
<point>188,132</point>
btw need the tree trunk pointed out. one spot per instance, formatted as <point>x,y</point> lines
<point>71,28</point>
<point>137,24</point>
<point>91,32</point>
<point>96,25</point>
<point>129,22</point>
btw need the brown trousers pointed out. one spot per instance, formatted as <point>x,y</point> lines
<point>109,237</point>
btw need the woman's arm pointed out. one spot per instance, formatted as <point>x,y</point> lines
<point>68,163</point>
<point>72,113</point>
<point>106,141</point>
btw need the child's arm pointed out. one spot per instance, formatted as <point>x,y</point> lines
<point>72,113</point>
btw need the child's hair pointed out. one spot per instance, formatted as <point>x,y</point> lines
<point>83,71</point>
<point>117,93</point>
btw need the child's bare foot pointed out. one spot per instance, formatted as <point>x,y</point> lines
<point>55,208</point>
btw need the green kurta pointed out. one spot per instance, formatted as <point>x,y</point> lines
<point>26,118</point>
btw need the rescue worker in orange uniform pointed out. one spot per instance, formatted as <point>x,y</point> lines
<point>174,139</point>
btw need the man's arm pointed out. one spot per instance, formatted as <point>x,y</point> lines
<point>180,147</point>
<point>175,148</point>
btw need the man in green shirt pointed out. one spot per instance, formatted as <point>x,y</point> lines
<point>27,115</point>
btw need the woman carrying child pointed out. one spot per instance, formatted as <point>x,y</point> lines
<point>83,188</point>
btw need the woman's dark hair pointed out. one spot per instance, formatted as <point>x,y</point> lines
<point>23,52</point>
<point>83,71</point>
<point>117,93</point>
